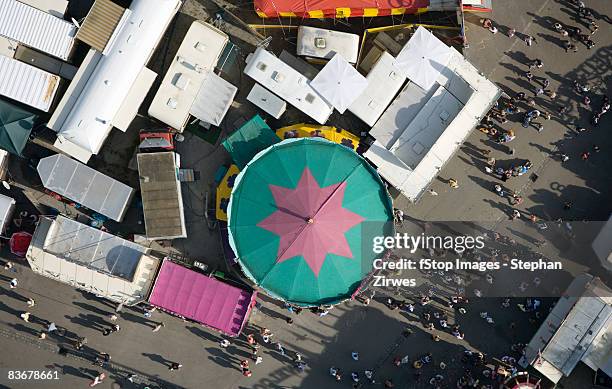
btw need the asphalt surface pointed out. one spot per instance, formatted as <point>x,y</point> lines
<point>374,331</point>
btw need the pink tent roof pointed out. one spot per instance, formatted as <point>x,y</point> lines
<point>200,298</point>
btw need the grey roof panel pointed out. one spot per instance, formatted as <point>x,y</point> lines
<point>93,248</point>
<point>85,186</point>
<point>161,196</point>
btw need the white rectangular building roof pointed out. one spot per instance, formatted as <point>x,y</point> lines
<point>268,101</point>
<point>93,260</point>
<point>284,81</point>
<point>36,29</point>
<point>91,112</point>
<point>322,43</point>
<point>86,186</point>
<point>582,331</point>
<point>26,84</point>
<point>196,56</point>
<point>384,81</point>
<point>422,130</point>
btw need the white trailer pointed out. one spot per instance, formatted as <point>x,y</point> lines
<point>112,82</point>
<point>384,81</point>
<point>322,43</point>
<point>194,61</point>
<point>287,83</point>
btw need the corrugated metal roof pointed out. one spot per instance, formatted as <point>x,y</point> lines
<point>35,28</point>
<point>84,185</point>
<point>27,84</point>
<point>100,23</point>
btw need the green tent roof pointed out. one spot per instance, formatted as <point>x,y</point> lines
<point>302,217</point>
<point>15,127</point>
<point>254,136</point>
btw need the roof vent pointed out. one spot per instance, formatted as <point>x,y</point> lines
<point>319,43</point>
<point>278,77</point>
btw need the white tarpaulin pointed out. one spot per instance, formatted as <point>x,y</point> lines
<point>339,83</point>
<point>85,185</point>
<point>423,58</point>
<point>213,100</point>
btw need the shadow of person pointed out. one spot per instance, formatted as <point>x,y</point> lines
<point>158,358</point>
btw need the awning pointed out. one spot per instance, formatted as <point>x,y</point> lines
<point>338,8</point>
<point>15,127</point>
<point>254,136</point>
<point>203,299</point>
<point>339,83</point>
<point>100,24</point>
<point>423,58</point>
<point>213,99</point>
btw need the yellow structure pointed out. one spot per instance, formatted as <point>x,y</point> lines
<point>332,134</point>
<point>224,190</point>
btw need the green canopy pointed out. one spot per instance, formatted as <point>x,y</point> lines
<point>254,136</point>
<point>302,217</point>
<point>15,127</point>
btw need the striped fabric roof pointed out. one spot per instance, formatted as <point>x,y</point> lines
<point>100,24</point>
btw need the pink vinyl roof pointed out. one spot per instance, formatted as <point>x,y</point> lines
<point>200,298</point>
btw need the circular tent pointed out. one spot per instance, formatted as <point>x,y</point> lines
<point>302,217</point>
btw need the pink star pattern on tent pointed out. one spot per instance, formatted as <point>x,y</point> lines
<point>310,221</point>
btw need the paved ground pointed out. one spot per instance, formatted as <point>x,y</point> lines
<point>374,330</point>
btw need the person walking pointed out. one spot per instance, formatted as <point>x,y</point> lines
<point>8,265</point>
<point>224,343</point>
<point>97,380</point>
<point>499,190</point>
<point>25,316</point>
<point>51,327</point>
<point>113,318</point>
<point>244,365</point>
<point>529,76</point>
<point>453,183</point>
<point>159,326</point>
<point>355,355</point>
<point>585,155</point>
<point>176,366</point>
<point>31,302</point>
<point>13,283</point>
<point>567,45</point>
<point>536,63</point>
<point>515,215</point>
<point>280,348</point>
<point>529,40</point>
<point>516,199</point>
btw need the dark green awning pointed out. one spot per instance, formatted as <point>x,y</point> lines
<point>15,126</point>
<point>254,136</point>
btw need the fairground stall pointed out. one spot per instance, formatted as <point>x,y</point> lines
<point>298,216</point>
<point>202,298</point>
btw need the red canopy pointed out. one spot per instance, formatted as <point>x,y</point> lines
<point>338,8</point>
<point>19,243</point>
